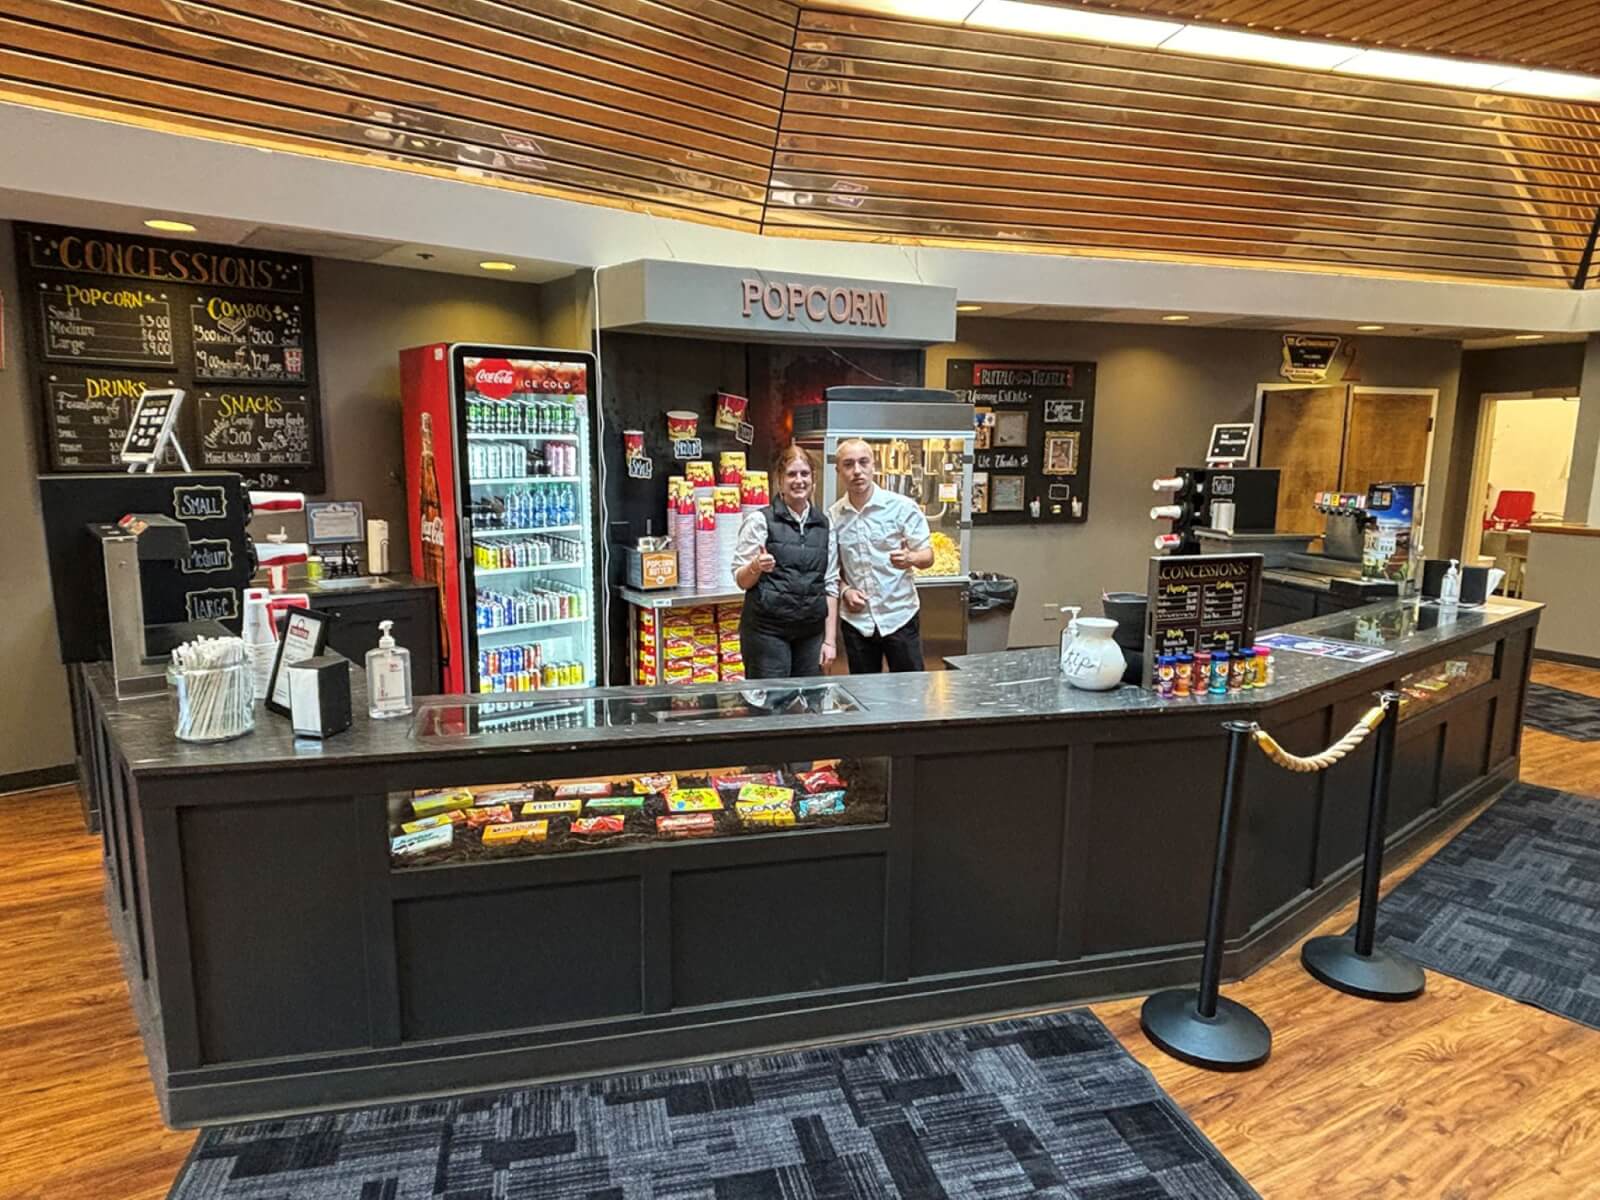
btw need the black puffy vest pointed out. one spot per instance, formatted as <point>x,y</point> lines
<point>792,599</point>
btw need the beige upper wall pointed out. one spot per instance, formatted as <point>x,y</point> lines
<point>35,726</point>
<point>1158,392</point>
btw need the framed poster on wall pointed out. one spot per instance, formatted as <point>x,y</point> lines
<point>1035,430</point>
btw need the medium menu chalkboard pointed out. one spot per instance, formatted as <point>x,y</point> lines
<point>1035,429</point>
<point>111,314</point>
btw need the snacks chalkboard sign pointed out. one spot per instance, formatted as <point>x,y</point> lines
<point>1035,430</point>
<point>254,427</point>
<point>95,323</point>
<point>109,315</point>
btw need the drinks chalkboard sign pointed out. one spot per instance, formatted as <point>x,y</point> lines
<point>116,325</point>
<point>254,428</point>
<point>1035,431</point>
<point>109,315</point>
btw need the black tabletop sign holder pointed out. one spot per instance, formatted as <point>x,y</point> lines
<point>1353,963</point>
<point>1199,1026</point>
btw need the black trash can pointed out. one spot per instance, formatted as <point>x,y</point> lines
<point>990,601</point>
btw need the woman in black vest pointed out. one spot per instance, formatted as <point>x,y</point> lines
<point>787,563</point>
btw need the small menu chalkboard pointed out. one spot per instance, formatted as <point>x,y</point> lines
<point>110,315</point>
<point>254,428</point>
<point>1230,443</point>
<point>1035,428</point>
<point>119,326</point>
<point>248,341</point>
<point>1201,602</point>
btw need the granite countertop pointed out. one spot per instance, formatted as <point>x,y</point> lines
<point>1011,685</point>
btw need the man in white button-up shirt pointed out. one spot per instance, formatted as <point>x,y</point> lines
<point>882,538</point>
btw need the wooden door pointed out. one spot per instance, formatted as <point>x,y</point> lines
<point>1302,435</point>
<point>1386,439</point>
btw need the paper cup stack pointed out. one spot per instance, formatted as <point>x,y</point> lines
<point>260,639</point>
<point>728,522</point>
<point>707,569</point>
<point>683,537</point>
<point>753,490</point>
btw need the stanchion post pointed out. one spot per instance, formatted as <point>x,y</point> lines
<point>1354,964</point>
<point>1201,1026</point>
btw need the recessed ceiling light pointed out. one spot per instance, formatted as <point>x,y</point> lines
<point>1426,68</point>
<point>1529,337</point>
<point>1369,328</point>
<point>495,264</point>
<point>969,308</point>
<point>1212,42</point>
<point>169,226</point>
<point>1072,23</point>
<point>1176,317</point>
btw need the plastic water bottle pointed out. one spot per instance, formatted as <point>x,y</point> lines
<point>540,513</point>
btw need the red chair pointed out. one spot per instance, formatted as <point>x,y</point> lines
<point>1512,510</point>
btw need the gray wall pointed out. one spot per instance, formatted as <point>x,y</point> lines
<point>365,315</point>
<point>35,727</point>
<point>1158,392</point>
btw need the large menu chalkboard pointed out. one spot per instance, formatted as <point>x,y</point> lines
<point>111,314</point>
<point>1035,424</point>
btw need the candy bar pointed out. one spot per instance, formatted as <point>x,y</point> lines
<point>552,808</point>
<point>823,779</point>
<point>601,804</point>
<point>732,783</point>
<point>764,794</point>
<point>430,803</point>
<point>686,825</point>
<point>823,804</point>
<point>498,815</point>
<point>650,785</point>
<point>454,817</point>
<point>693,800</point>
<point>597,825</point>
<point>584,789</point>
<point>766,815</point>
<point>500,796</point>
<point>517,831</point>
<point>424,840</point>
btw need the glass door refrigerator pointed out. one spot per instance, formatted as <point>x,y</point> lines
<point>501,469</point>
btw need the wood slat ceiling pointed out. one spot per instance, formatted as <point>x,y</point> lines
<point>896,129</point>
<point>672,104</point>
<point>1558,34</point>
<point>764,116</point>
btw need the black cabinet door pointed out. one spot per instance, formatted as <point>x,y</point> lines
<point>1282,604</point>
<point>354,629</point>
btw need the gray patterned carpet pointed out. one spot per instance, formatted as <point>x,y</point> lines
<point>1571,715</point>
<point>1512,903</point>
<point>1046,1106</point>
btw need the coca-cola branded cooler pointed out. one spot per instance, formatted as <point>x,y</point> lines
<point>501,476</point>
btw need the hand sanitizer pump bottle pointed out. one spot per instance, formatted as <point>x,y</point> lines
<point>388,677</point>
<point>1450,586</point>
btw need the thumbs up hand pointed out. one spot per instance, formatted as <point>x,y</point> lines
<point>901,558</point>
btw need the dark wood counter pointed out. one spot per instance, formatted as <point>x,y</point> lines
<point>1040,845</point>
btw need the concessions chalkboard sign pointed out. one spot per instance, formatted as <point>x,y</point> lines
<point>1201,602</point>
<point>109,315</point>
<point>1035,429</point>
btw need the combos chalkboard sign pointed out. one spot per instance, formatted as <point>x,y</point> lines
<point>1035,430</point>
<point>108,315</point>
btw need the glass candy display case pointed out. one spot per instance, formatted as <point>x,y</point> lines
<point>922,443</point>
<point>479,823</point>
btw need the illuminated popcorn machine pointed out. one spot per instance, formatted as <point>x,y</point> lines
<point>922,440</point>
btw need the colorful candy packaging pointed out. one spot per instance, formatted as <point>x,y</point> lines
<point>454,817</point>
<point>431,803</point>
<point>424,840</point>
<point>593,826</point>
<point>517,831</point>
<point>654,785</point>
<point>686,825</point>
<point>498,815</point>
<point>732,783</point>
<point>765,794</point>
<point>500,796</point>
<point>583,788</point>
<point>765,813</point>
<point>603,804</point>
<point>685,800</point>
<point>822,804</point>
<point>823,779</point>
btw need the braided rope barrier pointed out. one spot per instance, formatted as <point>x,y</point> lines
<point>1322,760</point>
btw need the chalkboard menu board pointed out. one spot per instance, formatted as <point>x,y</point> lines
<point>1035,429</point>
<point>1201,602</point>
<point>108,315</point>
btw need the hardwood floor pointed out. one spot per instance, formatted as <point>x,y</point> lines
<point>1460,1094</point>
